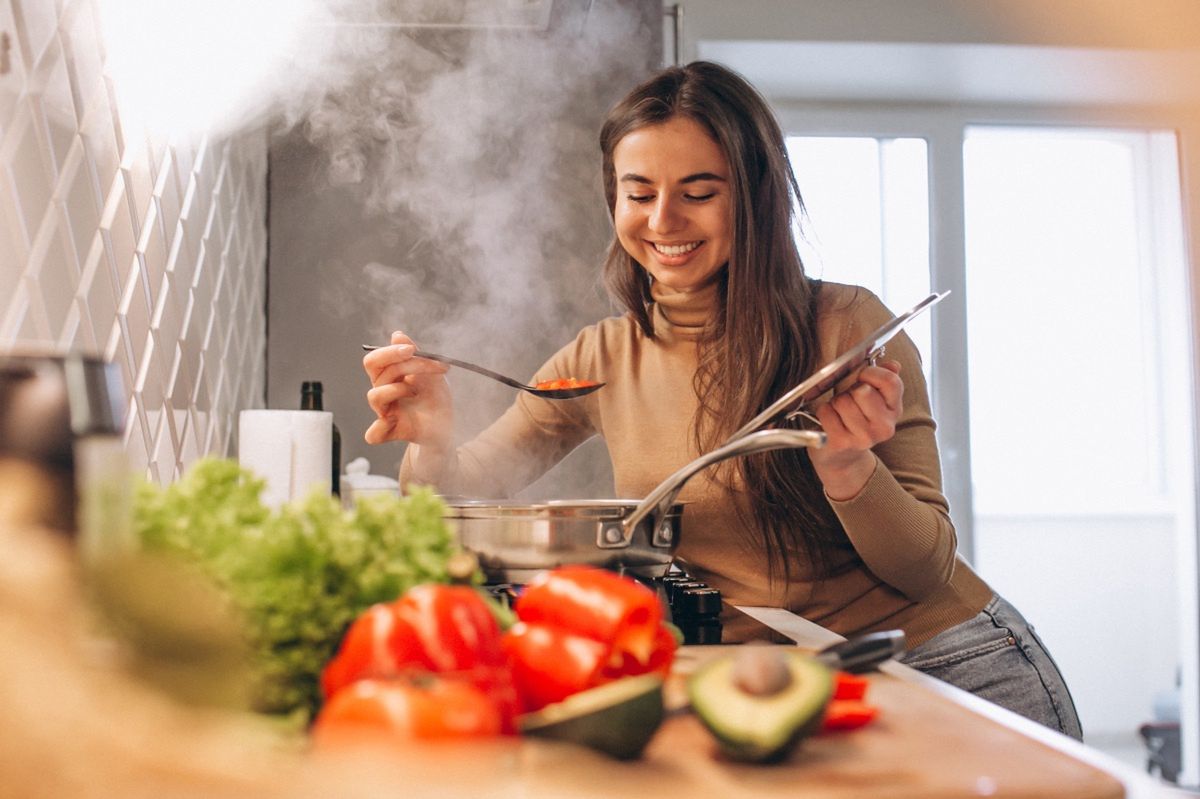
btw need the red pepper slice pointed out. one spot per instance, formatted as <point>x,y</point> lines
<point>549,663</point>
<point>849,686</point>
<point>847,714</point>
<point>596,603</point>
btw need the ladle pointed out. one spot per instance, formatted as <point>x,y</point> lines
<point>545,393</point>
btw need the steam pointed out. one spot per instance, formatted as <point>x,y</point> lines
<point>472,156</point>
<point>467,141</point>
<point>476,149</point>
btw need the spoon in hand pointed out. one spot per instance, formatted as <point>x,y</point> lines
<point>552,389</point>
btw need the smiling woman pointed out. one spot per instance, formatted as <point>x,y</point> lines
<point>673,213</point>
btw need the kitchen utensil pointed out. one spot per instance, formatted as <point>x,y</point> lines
<point>515,540</point>
<point>545,393</point>
<point>860,653</point>
<point>863,652</point>
<point>866,351</point>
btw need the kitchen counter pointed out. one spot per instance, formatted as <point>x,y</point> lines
<point>77,726</point>
<point>929,742</point>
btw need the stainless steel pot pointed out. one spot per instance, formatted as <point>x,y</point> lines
<point>515,540</point>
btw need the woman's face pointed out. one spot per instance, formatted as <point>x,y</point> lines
<point>673,205</point>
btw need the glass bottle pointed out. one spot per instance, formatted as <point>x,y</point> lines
<point>311,400</point>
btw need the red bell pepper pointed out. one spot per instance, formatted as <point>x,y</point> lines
<point>456,631</point>
<point>397,709</point>
<point>377,644</point>
<point>443,629</point>
<point>847,714</point>
<point>599,604</point>
<point>847,710</point>
<point>580,627</point>
<point>849,686</point>
<point>550,663</point>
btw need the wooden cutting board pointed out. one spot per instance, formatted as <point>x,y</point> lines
<point>922,745</point>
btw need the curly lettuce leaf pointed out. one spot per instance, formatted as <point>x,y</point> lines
<point>298,575</point>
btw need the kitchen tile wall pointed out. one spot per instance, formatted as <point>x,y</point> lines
<point>150,253</point>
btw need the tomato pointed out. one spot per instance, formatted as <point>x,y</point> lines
<point>435,628</point>
<point>563,382</point>
<point>847,714</point>
<point>398,709</point>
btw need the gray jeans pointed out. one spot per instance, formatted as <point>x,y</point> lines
<point>998,656</point>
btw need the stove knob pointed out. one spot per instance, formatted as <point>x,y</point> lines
<point>697,601</point>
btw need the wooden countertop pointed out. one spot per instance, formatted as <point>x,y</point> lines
<point>930,741</point>
<point>925,744</point>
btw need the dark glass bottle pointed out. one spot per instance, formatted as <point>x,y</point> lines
<point>311,400</point>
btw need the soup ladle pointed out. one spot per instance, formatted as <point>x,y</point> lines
<point>545,393</point>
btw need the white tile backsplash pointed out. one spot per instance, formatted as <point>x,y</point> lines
<point>147,252</point>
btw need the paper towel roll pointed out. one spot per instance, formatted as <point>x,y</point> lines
<point>291,449</point>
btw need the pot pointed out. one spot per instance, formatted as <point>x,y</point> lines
<point>515,540</point>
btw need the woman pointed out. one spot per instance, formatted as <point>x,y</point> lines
<point>721,320</point>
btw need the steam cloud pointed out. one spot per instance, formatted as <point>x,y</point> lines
<point>475,149</point>
<point>467,137</point>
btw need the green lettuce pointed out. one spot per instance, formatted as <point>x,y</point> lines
<point>299,575</point>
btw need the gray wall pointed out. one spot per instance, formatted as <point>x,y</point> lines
<point>451,188</point>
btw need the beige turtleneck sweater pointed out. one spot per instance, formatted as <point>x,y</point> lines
<point>899,568</point>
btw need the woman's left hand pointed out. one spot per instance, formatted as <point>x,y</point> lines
<point>855,421</point>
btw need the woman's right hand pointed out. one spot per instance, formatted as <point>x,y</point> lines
<point>409,395</point>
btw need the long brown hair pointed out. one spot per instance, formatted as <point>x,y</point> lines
<point>762,339</point>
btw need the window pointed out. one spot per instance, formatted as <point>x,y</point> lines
<point>1068,327</point>
<point>867,218</point>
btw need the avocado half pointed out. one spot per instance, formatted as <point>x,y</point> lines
<point>761,727</point>
<point>618,718</point>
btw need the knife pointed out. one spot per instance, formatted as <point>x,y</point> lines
<point>863,652</point>
<point>860,653</point>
